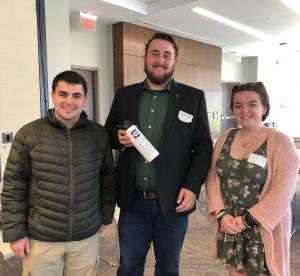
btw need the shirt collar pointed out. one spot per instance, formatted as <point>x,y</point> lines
<point>168,87</point>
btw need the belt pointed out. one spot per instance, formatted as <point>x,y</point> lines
<point>146,195</point>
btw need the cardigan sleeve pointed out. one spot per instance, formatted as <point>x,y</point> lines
<point>277,194</point>
<point>212,184</point>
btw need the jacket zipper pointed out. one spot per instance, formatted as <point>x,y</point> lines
<point>71,183</point>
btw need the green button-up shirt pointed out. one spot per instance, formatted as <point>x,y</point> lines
<point>152,114</point>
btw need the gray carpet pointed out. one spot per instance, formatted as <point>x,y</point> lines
<point>195,256</point>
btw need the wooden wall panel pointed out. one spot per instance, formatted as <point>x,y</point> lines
<point>186,73</point>
<point>208,78</point>
<point>202,54</point>
<point>215,57</point>
<point>199,63</point>
<point>118,39</point>
<point>187,50</point>
<point>215,77</point>
<point>118,63</point>
<point>134,69</point>
<point>135,38</point>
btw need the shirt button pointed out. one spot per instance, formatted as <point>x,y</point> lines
<point>152,110</point>
<point>145,178</point>
<point>146,162</point>
<point>149,126</point>
<point>154,97</point>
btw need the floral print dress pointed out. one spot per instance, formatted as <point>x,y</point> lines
<point>241,185</point>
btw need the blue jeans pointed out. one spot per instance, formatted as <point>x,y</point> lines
<point>140,225</point>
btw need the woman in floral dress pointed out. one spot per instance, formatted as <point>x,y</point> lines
<point>249,189</point>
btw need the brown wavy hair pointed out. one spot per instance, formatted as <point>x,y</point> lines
<point>257,87</point>
<point>162,36</point>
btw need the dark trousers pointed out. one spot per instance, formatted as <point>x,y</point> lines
<point>138,227</point>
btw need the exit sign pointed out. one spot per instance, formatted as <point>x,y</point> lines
<point>88,21</point>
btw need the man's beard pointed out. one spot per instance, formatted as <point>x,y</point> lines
<point>158,79</point>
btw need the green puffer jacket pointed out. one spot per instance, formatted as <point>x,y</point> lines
<point>58,183</point>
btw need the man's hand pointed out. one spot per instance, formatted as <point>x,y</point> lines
<point>101,228</point>
<point>186,200</point>
<point>124,138</point>
<point>21,247</point>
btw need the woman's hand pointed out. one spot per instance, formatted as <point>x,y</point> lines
<point>240,223</point>
<point>230,225</point>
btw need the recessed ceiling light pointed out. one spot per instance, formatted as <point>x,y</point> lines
<point>269,19</point>
<point>231,23</point>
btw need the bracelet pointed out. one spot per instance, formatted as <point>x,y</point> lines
<point>217,215</point>
<point>248,221</point>
<point>220,215</point>
<point>244,221</point>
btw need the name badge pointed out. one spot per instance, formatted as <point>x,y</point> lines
<point>257,160</point>
<point>185,117</point>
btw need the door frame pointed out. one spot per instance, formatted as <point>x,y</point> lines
<point>226,103</point>
<point>96,93</point>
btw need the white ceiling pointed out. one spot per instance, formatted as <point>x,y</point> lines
<point>176,17</point>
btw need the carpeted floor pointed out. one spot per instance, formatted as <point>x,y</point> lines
<point>195,256</point>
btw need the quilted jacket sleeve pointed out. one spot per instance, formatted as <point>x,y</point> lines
<point>108,188</point>
<point>14,197</point>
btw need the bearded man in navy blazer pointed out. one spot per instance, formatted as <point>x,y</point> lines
<point>155,198</point>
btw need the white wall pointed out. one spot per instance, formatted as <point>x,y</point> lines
<point>249,69</point>
<point>244,71</point>
<point>280,74</point>
<point>58,39</point>
<point>19,76</point>
<point>68,45</point>
<point>92,49</point>
<point>232,71</point>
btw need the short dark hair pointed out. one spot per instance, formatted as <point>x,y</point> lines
<point>70,77</point>
<point>162,36</point>
<point>257,87</point>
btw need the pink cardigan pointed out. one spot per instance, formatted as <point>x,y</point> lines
<point>273,211</point>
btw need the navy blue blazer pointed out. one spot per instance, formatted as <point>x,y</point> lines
<point>185,149</point>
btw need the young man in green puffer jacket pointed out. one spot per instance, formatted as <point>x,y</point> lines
<point>58,191</point>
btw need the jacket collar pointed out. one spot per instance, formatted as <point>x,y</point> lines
<point>56,123</point>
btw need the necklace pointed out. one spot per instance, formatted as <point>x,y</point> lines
<point>244,143</point>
